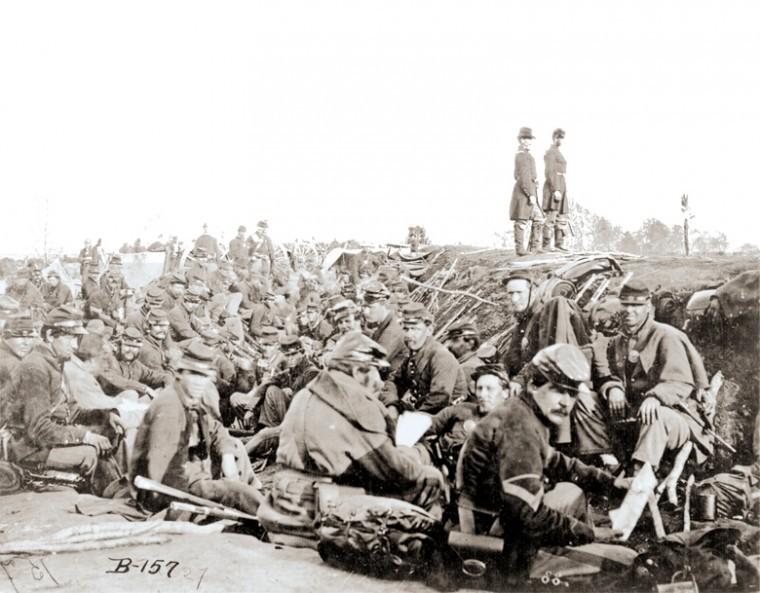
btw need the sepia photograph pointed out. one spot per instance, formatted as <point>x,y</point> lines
<point>379,297</point>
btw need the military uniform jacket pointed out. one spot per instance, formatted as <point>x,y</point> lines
<point>504,465</point>
<point>37,411</point>
<point>155,355</point>
<point>334,427</point>
<point>132,375</point>
<point>555,167</point>
<point>170,449</point>
<point>453,424</point>
<point>525,186</point>
<point>659,361</point>
<point>432,378</point>
<point>60,295</point>
<point>181,324</point>
<point>239,251</point>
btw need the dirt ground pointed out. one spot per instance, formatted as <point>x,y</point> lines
<point>211,563</point>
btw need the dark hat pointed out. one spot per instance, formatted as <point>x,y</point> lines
<point>53,273</point>
<point>154,296</point>
<point>262,224</point>
<point>8,304</point>
<point>194,294</point>
<point>415,313</point>
<point>176,278</point>
<point>157,316</point>
<point>242,229</point>
<point>115,259</point>
<point>268,335</point>
<point>291,344</point>
<point>634,292</point>
<point>198,358</point>
<point>518,275</point>
<point>65,319</point>
<point>464,329</point>
<point>558,133</point>
<point>355,347</point>
<point>343,309</point>
<point>563,365</point>
<point>497,370</point>
<point>34,266</point>
<point>376,291</point>
<point>525,133</point>
<point>132,337</point>
<point>19,326</point>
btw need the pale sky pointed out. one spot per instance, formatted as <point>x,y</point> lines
<point>357,119</point>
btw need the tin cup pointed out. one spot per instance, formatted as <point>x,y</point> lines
<point>706,506</point>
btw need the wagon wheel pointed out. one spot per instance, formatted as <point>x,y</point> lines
<point>282,265</point>
<point>305,256</point>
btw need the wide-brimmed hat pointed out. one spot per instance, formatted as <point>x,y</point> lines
<point>197,358</point>
<point>525,133</point>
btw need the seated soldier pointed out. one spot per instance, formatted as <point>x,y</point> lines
<point>181,316</point>
<point>429,378</point>
<point>154,299</point>
<point>648,378</point>
<point>507,457</point>
<point>55,292</point>
<point>181,444</point>
<point>290,373</point>
<point>336,427</point>
<point>382,325</point>
<point>345,319</point>
<point>24,292</point>
<point>48,429</point>
<point>311,324</point>
<point>454,423</point>
<point>462,338</point>
<point>131,374</point>
<point>263,314</point>
<point>158,351</point>
<point>174,291</point>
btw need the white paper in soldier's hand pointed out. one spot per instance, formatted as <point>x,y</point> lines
<point>410,428</point>
<point>626,517</point>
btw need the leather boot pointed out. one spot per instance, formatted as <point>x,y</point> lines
<point>560,240</point>
<point>520,240</point>
<point>548,237</point>
<point>536,237</point>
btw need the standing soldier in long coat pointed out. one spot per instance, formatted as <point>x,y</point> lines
<point>524,205</point>
<point>555,204</point>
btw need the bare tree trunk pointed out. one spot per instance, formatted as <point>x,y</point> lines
<point>686,234</point>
